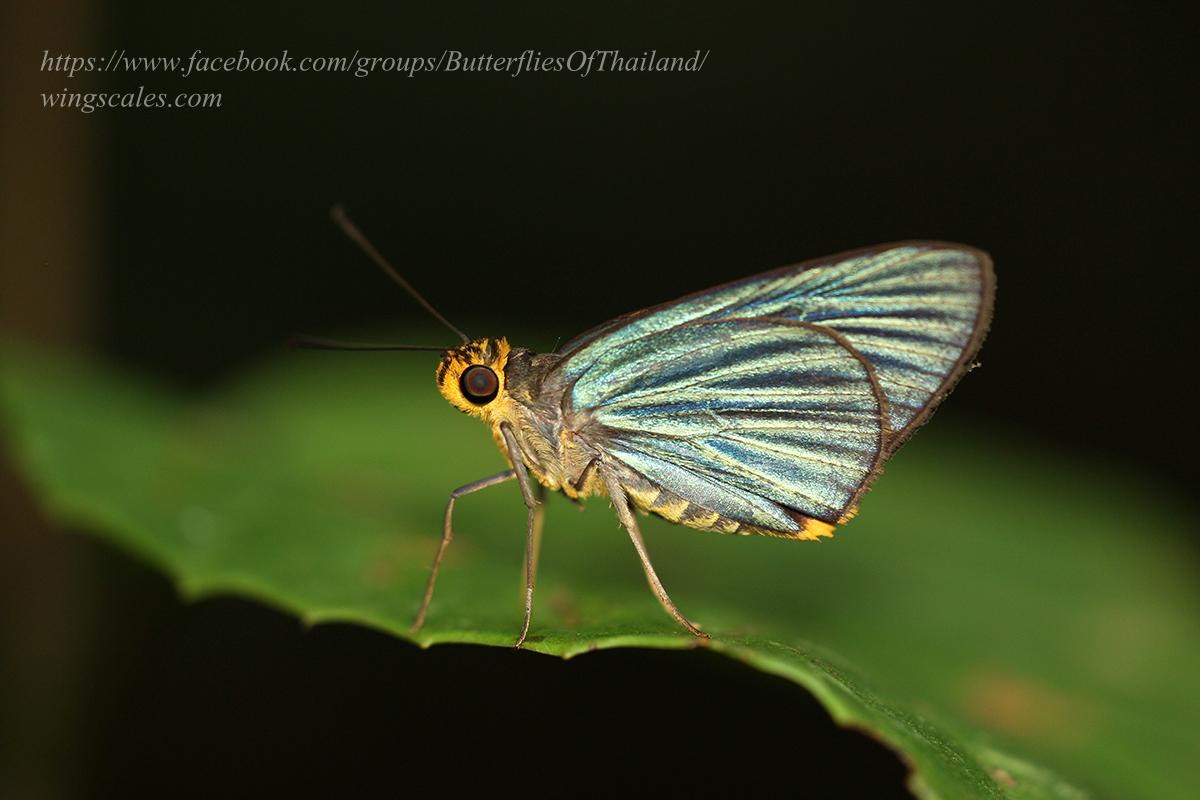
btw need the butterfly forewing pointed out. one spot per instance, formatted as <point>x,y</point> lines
<point>916,312</point>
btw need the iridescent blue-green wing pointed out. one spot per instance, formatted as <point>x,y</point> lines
<point>917,311</point>
<point>738,424</point>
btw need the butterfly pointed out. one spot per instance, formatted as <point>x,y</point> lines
<point>763,406</point>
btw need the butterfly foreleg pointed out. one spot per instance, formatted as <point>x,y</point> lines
<point>579,485</point>
<point>448,534</point>
<point>532,523</point>
<point>625,514</point>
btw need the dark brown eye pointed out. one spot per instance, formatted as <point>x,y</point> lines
<point>479,384</point>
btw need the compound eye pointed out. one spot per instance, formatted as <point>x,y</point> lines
<point>479,384</point>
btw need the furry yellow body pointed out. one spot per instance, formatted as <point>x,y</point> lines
<point>559,456</point>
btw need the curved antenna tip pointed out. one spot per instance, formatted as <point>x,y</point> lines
<point>338,213</point>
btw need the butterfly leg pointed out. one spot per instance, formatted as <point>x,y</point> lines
<point>533,546</point>
<point>538,521</point>
<point>448,534</point>
<point>532,524</point>
<point>625,514</point>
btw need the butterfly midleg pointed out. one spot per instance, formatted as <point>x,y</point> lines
<point>624,513</point>
<point>532,523</point>
<point>448,534</point>
<point>538,522</point>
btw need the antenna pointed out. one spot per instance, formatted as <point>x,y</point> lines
<point>317,343</point>
<point>351,230</point>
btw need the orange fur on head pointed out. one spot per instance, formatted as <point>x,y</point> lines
<point>492,353</point>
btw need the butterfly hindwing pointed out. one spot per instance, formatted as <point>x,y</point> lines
<point>748,418</point>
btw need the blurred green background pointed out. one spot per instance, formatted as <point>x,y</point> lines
<point>1026,565</point>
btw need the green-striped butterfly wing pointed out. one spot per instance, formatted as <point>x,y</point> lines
<point>784,392</point>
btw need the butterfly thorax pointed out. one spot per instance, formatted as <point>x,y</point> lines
<point>529,405</point>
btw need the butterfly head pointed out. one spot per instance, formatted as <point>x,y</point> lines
<point>471,376</point>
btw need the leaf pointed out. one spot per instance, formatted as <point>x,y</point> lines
<point>1038,605</point>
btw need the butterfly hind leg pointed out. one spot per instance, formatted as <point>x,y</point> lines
<point>448,535</point>
<point>625,514</point>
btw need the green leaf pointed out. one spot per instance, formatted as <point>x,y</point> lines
<point>1001,599</point>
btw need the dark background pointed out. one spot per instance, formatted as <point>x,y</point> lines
<point>1055,138</point>
<point>187,244</point>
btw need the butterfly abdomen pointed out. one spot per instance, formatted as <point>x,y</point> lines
<point>654,499</point>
